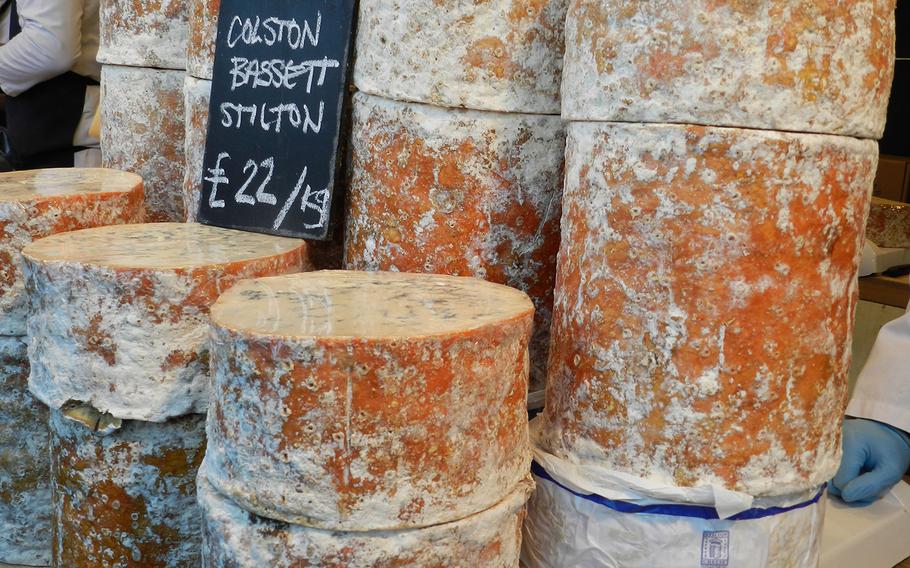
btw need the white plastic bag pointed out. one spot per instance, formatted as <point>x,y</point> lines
<point>567,529</point>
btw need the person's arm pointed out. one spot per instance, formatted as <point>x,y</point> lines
<point>876,445</point>
<point>48,45</point>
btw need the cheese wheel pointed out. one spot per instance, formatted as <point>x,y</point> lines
<point>144,33</point>
<point>233,538</point>
<point>197,93</point>
<point>25,493</point>
<point>502,56</point>
<point>889,223</point>
<point>203,25</point>
<point>142,131</point>
<point>704,303</point>
<point>127,498</point>
<point>120,314</point>
<point>368,401</point>
<point>458,192</point>
<point>38,203</point>
<point>819,66</point>
<point>564,529</point>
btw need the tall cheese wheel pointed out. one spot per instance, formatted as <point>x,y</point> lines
<point>704,303</point>
<point>502,56</point>
<point>233,538</point>
<point>889,223</point>
<point>203,24</point>
<point>25,493</point>
<point>816,66</point>
<point>142,130</point>
<point>127,498</point>
<point>368,401</point>
<point>130,336</point>
<point>144,33</point>
<point>197,93</point>
<point>458,192</point>
<point>38,203</point>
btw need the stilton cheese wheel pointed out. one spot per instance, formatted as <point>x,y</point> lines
<point>704,303</point>
<point>368,401</point>
<point>25,492</point>
<point>38,203</point>
<point>131,336</point>
<point>125,496</point>
<point>819,66</point>
<point>142,130</point>
<point>459,192</point>
<point>233,538</point>
<point>502,56</point>
<point>197,93</point>
<point>144,33</point>
<point>203,24</point>
<point>889,223</point>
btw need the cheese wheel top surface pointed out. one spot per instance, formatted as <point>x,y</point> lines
<point>367,305</point>
<point>30,185</point>
<point>158,246</point>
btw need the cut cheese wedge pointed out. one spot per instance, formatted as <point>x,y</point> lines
<point>233,538</point>
<point>25,492</point>
<point>38,203</point>
<point>704,306</point>
<point>502,56</point>
<point>368,401</point>
<point>793,65</point>
<point>126,498</point>
<point>144,33</point>
<point>889,223</point>
<point>120,314</point>
<point>459,192</point>
<point>142,131</point>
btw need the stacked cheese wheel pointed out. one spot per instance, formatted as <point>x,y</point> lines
<point>200,60</point>
<point>143,49</point>
<point>33,205</point>
<point>457,146</point>
<point>718,173</point>
<point>367,420</point>
<point>119,351</point>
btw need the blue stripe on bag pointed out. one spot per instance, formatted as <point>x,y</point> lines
<point>693,511</point>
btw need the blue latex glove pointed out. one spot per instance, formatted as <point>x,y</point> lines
<point>875,458</point>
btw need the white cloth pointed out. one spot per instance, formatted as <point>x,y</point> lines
<point>883,388</point>
<point>57,36</point>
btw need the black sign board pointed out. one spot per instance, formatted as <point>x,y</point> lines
<point>274,116</point>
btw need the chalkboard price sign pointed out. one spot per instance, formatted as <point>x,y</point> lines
<point>274,116</point>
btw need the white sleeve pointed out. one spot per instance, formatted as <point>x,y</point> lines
<point>47,46</point>
<point>883,388</point>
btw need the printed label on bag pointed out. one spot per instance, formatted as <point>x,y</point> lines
<point>715,549</point>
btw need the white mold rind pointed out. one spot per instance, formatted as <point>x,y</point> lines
<point>500,56</point>
<point>126,499</point>
<point>234,538</point>
<point>25,492</point>
<point>124,326</point>
<point>142,131</point>
<point>820,66</point>
<point>144,33</point>
<point>458,192</point>
<point>705,302</point>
